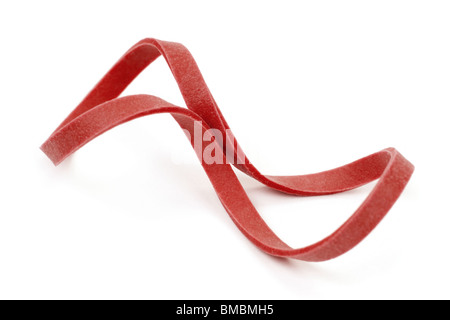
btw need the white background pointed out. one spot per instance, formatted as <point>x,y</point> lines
<point>305,85</point>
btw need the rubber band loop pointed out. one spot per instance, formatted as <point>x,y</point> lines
<point>101,110</point>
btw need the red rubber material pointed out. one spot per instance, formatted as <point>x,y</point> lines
<point>101,110</point>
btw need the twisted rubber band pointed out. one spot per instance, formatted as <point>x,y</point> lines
<point>101,110</point>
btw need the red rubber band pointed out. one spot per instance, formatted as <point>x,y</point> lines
<point>101,110</point>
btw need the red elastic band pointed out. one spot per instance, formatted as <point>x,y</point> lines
<point>101,110</point>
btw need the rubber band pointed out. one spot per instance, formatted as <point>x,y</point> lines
<point>102,110</point>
